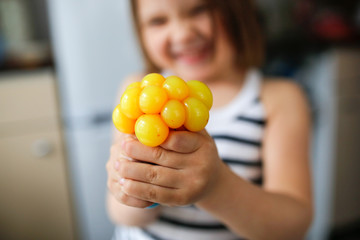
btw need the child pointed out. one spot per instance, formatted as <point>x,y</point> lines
<point>245,176</point>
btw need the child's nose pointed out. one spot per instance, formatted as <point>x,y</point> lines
<point>183,32</point>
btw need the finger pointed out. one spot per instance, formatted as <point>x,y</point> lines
<point>123,198</point>
<point>154,174</point>
<point>113,167</point>
<point>116,149</point>
<point>112,172</point>
<point>119,137</point>
<point>155,155</point>
<point>152,193</point>
<point>182,141</point>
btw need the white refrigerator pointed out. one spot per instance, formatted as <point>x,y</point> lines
<point>94,49</point>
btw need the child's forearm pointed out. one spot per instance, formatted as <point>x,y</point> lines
<point>256,214</point>
<point>121,214</point>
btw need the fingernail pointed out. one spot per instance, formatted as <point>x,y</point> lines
<point>117,165</point>
<point>125,157</point>
<point>154,205</point>
<point>122,181</point>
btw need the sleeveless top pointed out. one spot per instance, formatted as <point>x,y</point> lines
<point>237,129</point>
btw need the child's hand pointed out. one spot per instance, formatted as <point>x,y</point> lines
<point>180,172</point>
<point>113,182</point>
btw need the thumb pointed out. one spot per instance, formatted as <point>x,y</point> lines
<point>183,141</point>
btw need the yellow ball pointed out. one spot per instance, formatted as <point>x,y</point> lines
<point>130,103</point>
<point>122,122</point>
<point>152,79</point>
<point>176,88</point>
<point>134,84</point>
<point>197,114</point>
<point>173,113</point>
<point>152,99</point>
<point>150,107</point>
<point>200,91</point>
<point>151,130</point>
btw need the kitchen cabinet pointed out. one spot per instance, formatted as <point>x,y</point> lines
<point>35,200</point>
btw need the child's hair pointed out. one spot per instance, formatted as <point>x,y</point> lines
<point>240,21</point>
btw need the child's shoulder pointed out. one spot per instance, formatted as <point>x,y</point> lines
<point>281,95</point>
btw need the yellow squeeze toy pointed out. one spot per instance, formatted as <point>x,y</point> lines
<point>156,104</point>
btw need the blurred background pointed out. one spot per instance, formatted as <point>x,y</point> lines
<point>61,62</point>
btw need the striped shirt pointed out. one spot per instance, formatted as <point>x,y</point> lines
<point>238,130</point>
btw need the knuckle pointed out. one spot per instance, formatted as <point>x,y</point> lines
<point>130,188</point>
<point>158,153</point>
<point>152,175</point>
<point>151,194</point>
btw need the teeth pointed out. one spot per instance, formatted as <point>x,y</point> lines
<point>193,49</point>
<point>191,54</point>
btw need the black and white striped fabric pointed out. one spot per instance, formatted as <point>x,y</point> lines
<point>238,130</point>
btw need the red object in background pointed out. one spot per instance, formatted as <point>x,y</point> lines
<point>329,22</point>
<point>331,26</point>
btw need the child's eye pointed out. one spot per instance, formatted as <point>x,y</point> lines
<point>157,21</point>
<point>199,9</point>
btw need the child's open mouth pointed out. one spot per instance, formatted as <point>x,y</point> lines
<point>194,56</point>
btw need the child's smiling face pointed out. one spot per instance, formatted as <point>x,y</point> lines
<point>183,36</point>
